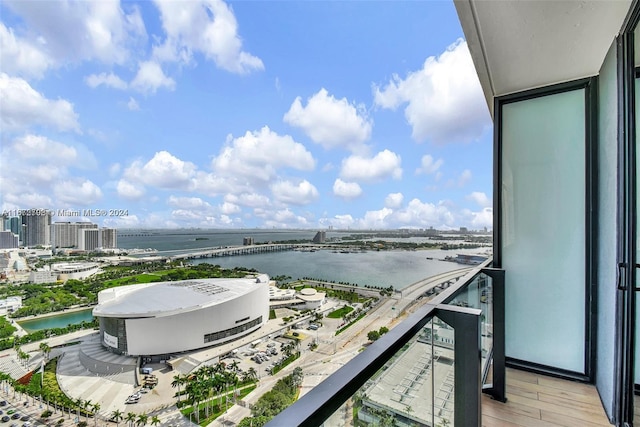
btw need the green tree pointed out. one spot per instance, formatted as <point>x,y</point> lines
<point>130,418</point>
<point>142,420</point>
<point>95,408</point>
<point>116,416</point>
<point>373,335</point>
<point>178,380</point>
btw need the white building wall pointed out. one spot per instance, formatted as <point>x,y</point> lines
<point>186,331</point>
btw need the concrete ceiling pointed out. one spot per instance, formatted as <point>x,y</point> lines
<point>522,44</point>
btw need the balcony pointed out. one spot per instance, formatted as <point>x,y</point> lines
<point>430,370</point>
<point>445,366</point>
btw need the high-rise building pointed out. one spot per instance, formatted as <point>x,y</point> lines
<point>88,239</point>
<point>8,240</point>
<point>14,225</point>
<point>320,237</point>
<point>36,227</point>
<point>65,234</point>
<point>109,238</point>
<point>248,241</point>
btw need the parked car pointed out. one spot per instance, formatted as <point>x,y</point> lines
<point>5,418</point>
<point>15,416</point>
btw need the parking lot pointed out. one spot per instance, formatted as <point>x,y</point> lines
<point>15,412</point>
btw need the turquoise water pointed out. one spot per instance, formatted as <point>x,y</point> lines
<point>57,321</point>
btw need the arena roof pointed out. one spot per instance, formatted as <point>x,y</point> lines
<point>166,298</point>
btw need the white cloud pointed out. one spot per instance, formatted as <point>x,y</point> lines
<point>444,99</point>
<point>256,156</point>
<point>35,147</point>
<point>193,203</point>
<point>23,107</point>
<point>383,165</point>
<point>331,122</point>
<point>34,168</point>
<point>109,80</point>
<point>375,219</point>
<point>208,27</point>
<point>213,184</point>
<point>251,200</point>
<point>21,57</point>
<point>480,199</point>
<point>129,191</point>
<point>346,190</point>
<point>72,31</point>
<point>164,170</point>
<point>26,201</point>
<point>114,170</point>
<point>339,221</point>
<point>283,218</point>
<point>76,192</point>
<point>301,193</point>
<point>481,219</point>
<point>393,200</point>
<point>230,208</point>
<point>132,104</point>
<point>465,178</point>
<point>424,214</point>
<point>429,165</point>
<point>150,78</point>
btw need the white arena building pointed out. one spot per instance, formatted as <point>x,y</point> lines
<point>165,318</point>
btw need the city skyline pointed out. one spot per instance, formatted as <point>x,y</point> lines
<point>215,117</point>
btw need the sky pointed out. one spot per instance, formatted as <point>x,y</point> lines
<point>244,114</point>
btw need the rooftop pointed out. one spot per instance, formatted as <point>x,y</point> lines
<point>167,298</point>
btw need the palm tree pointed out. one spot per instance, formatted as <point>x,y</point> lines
<point>116,416</point>
<point>253,374</point>
<point>155,420</point>
<point>78,402</point>
<point>131,417</point>
<point>45,349</point>
<point>178,380</point>
<point>233,367</point>
<point>142,420</point>
<point>95,408</point>
<point>85,407</point>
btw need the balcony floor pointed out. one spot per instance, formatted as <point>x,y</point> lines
<point>536,400</point>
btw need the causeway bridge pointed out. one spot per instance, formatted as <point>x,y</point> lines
<point>233,250</point>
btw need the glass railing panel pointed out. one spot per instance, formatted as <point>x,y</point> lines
<point>414,375</point>
<point>479,294</point>
<point>416,387</point>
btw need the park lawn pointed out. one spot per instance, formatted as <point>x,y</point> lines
<point>339,313</point>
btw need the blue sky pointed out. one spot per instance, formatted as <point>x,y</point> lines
<point>286,114</point>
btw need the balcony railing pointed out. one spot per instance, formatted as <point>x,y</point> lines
<point>430,370</point>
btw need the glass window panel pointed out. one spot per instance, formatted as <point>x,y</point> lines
<point>543,229</point>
